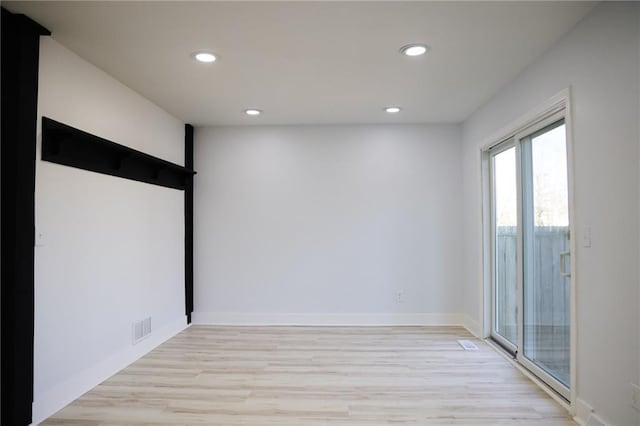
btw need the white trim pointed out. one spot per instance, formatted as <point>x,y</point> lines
<point>573,244</point>
<point>329,319</point>
<point>583,412</point>
<point>486,285</point>
<point>48,403</point>
<point>542,124</point>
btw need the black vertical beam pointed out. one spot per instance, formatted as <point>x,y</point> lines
<point>20,53</point>
<point>188,222</point>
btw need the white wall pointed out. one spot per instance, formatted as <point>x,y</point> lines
<point>329,221</point>
<point>599,60</point>
<point>112,250</point>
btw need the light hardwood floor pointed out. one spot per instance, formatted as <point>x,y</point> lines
<point>316,376</point>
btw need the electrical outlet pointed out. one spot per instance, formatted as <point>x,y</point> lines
<point>635,396</point>
<point>399,297</point>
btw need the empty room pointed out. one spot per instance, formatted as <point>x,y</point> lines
<point>320,213</point>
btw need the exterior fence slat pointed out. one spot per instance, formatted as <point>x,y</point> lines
<point>546,294</point>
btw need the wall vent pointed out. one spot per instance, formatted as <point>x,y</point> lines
<point>141,329</point>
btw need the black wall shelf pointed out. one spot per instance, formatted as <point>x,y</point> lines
<point>69,146</point>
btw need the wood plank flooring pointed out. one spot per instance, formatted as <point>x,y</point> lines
<point>316,376</point>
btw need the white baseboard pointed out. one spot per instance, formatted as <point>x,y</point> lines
<point>51,401</point>
<point>383,319</point>
<point>583,411</point>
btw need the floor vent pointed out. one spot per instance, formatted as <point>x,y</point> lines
<point>468,345</point>
<point>141,329</point>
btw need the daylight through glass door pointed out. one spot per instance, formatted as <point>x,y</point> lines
<point>546,296</point>
<point>530,250</point>
<point>505,207</point>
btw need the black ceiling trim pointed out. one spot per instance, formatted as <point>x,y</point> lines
<point>63,144</point>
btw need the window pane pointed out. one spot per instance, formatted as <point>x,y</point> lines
<point>546,238</point>
<point>505,219</point>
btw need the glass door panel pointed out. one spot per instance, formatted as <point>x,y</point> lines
<point>505,245</point>
<point>546,259</point>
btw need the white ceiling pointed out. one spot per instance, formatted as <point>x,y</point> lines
<point>310,62</point>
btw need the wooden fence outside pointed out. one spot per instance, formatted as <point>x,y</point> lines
<point>546,293</point>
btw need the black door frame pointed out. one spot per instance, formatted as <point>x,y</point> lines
<point>20,55</point>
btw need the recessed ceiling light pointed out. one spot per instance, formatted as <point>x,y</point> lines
<point>392,110</point>
<point>414,49</point>
<point>206,57</point>
<point>252,111</point>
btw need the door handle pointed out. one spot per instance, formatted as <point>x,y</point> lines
<point>563,272</point>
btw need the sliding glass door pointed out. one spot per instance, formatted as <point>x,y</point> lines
<point>530,250</point>
<point>505,245</point>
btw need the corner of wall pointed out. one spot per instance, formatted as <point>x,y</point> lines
<point>472,326</point>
